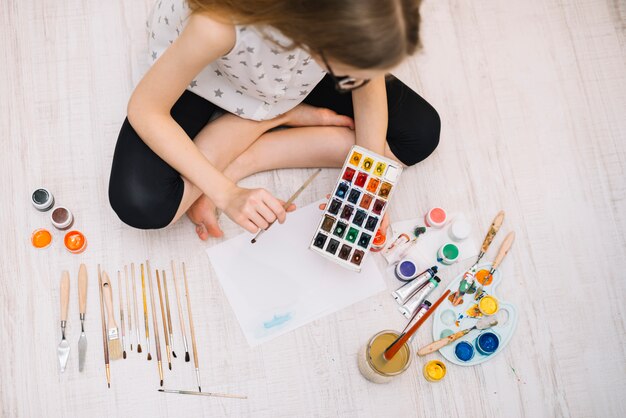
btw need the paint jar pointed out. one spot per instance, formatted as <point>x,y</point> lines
<point>436,218</point>
<point>488,305</point>
<point>460,230</point>
<point>464,351</point>
<point>42,199</point>
<point>373,365</point>
<point>487,343</point>
<point>434,370</point>
<point>75,242</point>
<point>62,218</point>
<point>380,239</point>
<point>448,254</point>
<point>406,270</point>
<point>41,238</point>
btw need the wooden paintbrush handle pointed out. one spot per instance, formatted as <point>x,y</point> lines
<point>108,300</point>
<point>65,294</point>
<point>82,288</point>
<point>493,230</point>
<point>434,346</point>
<point>504,249</point>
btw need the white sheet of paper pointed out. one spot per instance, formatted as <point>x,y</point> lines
<point>277,284</point>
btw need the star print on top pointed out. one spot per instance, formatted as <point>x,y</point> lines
<point>258,79</point>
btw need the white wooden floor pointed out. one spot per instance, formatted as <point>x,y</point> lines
<point>532,95</point>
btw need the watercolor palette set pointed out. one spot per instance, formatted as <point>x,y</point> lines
<point>356,207</point>
<point>477,346</point>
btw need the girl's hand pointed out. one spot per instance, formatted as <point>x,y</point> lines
<point>254,208</point>
<point>383,225</point>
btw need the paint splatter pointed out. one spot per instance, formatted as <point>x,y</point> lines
<point>277,320</point>
<point>474,312</point>
<point>517,376</point>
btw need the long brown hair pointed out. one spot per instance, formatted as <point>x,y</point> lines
<point>359,33</point>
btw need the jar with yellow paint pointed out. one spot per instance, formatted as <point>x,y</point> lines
<point>374,367</point>
<point>488,305</point>
<point>434,370</point>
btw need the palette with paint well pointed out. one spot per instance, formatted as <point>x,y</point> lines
<point>356,207</point>
<point>449,319</point>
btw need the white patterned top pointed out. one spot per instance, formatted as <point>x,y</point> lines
<point>258,79</point>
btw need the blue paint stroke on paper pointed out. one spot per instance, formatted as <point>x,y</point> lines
<point>277,320</point>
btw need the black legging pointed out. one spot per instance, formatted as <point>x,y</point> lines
<point>146,192</point>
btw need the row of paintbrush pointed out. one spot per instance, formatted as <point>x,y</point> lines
<point>114,338</point>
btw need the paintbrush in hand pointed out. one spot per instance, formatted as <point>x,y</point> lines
<point>113,336</point>
<point>289,202</point>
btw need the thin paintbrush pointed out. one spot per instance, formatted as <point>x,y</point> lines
<point>115,346</point>
<point>189,392</point>
<point>119,285</point>
<point>105,343</point>
<point>155,325</point>
<point>402,339</point>
<point>145,311</point>
<point>129,313</point>
<point>169,315</point>
<point>164,321</point>
<point>289,202</point>
<point>132,273</point>
<point>181,317</point>
<point>193,331</point>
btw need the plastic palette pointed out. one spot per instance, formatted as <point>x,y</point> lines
<point>356,207</point>
<point>455,318</point>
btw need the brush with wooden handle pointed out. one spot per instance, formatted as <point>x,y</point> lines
<point>164,322</point>
<point>121,304</point>
<point>129,314</point>
<point>82,305</point>
<point>145,311</point>
<point>502,252</point>
<point>403,338</point>
<point>288,203</point>
<point>193,331</point>
<point>181,317</point>
<point>169,314</point>
<point>155,325</point>
<point>470,275</point>
<point>132,271</point>
<point>482,324</point>
<point>105,344</point>
<point>113,335</point>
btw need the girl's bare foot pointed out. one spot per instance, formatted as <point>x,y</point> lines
<point>307,115</point>
<point>203,214</point>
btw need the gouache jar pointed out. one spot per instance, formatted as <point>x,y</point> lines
<point>436,218</point>
<point>434,370</point>
<point>406,270</point>
<point>62,218</point>
<point>42,199</point>
<point>460,230</point>
<point>487,343</point>
<point>448,254</point>
<point>41,238</point>
<point>380,239</point>
<point>488,305</point>
<point>75,242</point>
<point>464,351</point>
<point>373,365</point>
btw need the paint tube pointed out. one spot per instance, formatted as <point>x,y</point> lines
<point>419,298</point>
<point>405,292</point>
<point>420,313</point>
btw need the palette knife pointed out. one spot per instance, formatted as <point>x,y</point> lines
<point>482,324</point>
<point>82,304</point>
<point>63,351</point>
<point>467,282</point>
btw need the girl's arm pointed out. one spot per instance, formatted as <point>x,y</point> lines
<point>202,41</point>
<point>370,115</point>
